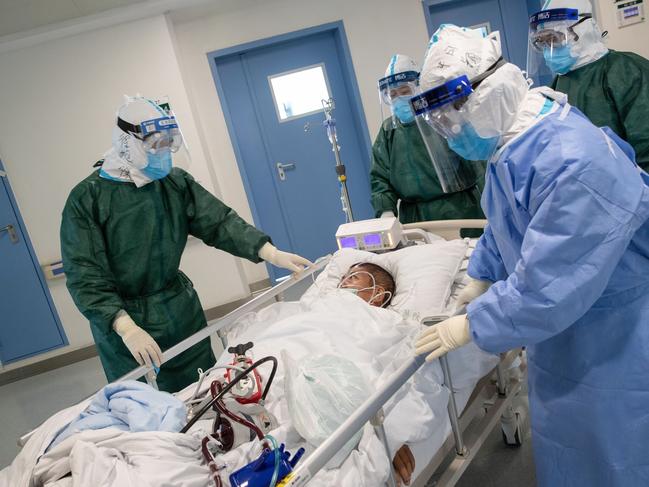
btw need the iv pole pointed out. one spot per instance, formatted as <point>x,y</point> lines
<point>330,124</point>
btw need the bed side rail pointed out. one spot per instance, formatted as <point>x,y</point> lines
<point>230,318</point>
<point>217,325</point>
<point>449,229</point>
<point>366,412</point>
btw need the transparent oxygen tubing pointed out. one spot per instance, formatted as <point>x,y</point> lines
<point>372,287</point>
<point>273,441</point>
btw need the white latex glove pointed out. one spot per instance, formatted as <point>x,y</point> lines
<point>444,337</point>
<point>141,345</point>
<point>475,288</point>
<point>286,260</point>
<point>387,214</point>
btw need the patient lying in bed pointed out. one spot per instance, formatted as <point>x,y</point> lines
<point>376,286</point>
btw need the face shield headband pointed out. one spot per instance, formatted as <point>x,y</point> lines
<point>156,134</point>
<point>553,28</point>
<point>455,91</point>
<point>395,92</point>
<point>396,80</point>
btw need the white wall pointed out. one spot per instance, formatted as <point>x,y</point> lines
<point>376,29</point>
<point>58,102</point>
<point>634,38</point>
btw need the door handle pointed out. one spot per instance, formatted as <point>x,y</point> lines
<point>11,230</point>
<point>281,168</point>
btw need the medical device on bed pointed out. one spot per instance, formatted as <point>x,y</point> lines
<point>377,235</point>
<point>247,390</point>
<point>224,436</point>
<point>271,467</point>
<point>235,423</point>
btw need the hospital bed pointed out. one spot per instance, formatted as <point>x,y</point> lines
<point>472,414</point>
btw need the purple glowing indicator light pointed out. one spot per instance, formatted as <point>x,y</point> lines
<point>348,243</point>
<point>372,239</point>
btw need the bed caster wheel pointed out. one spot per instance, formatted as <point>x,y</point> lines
<point>512,429</point>
<point>512,438</point>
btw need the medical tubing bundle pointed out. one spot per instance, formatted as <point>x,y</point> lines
<point>234,382</point>
<point>211,462</point>
<point>201,378</point>
<point>215,388</point>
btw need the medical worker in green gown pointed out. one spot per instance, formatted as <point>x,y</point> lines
<point>402,170</point>
<point>123,233</point>
<point>610,87</point>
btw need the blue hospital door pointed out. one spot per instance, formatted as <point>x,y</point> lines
<point>28,322</point>
<point>272,99</point>
<point>509,17</point>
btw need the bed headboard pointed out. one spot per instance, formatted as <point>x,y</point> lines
<point>448,229</point>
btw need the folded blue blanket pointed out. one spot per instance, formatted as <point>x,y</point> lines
<point>129,406</point>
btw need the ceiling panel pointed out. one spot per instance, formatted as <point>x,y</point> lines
<point>19,15</point>
<point>89,7</point>
<point>23,15</point>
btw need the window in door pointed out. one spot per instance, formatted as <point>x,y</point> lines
<point>299,92</point>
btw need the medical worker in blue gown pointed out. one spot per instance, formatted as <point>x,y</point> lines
<point>563,266</point>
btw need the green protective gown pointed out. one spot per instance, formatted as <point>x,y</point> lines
<point>614,91</point>
<point>402,170</point>
<point>121,249</point>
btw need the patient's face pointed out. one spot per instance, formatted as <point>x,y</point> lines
<point>361,280</point>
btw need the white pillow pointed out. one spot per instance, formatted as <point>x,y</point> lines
<point>423,274</point>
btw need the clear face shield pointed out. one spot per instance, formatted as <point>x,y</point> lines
<point>394,94</point>
<point>551,37</point>
<point>445,121</point>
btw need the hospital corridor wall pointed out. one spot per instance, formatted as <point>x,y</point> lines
<point>66,91</point>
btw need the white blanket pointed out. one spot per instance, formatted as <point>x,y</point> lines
<point>106,458</point>
<point>111,457</point>
<point>20,472</point>
<point>377,340</point>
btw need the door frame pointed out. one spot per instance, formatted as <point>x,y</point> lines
<point>4,181</point>
<point>349,78</point>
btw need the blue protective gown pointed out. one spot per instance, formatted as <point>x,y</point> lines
<point>568,249</point>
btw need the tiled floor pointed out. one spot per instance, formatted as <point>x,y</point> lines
<point>499,466</point>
